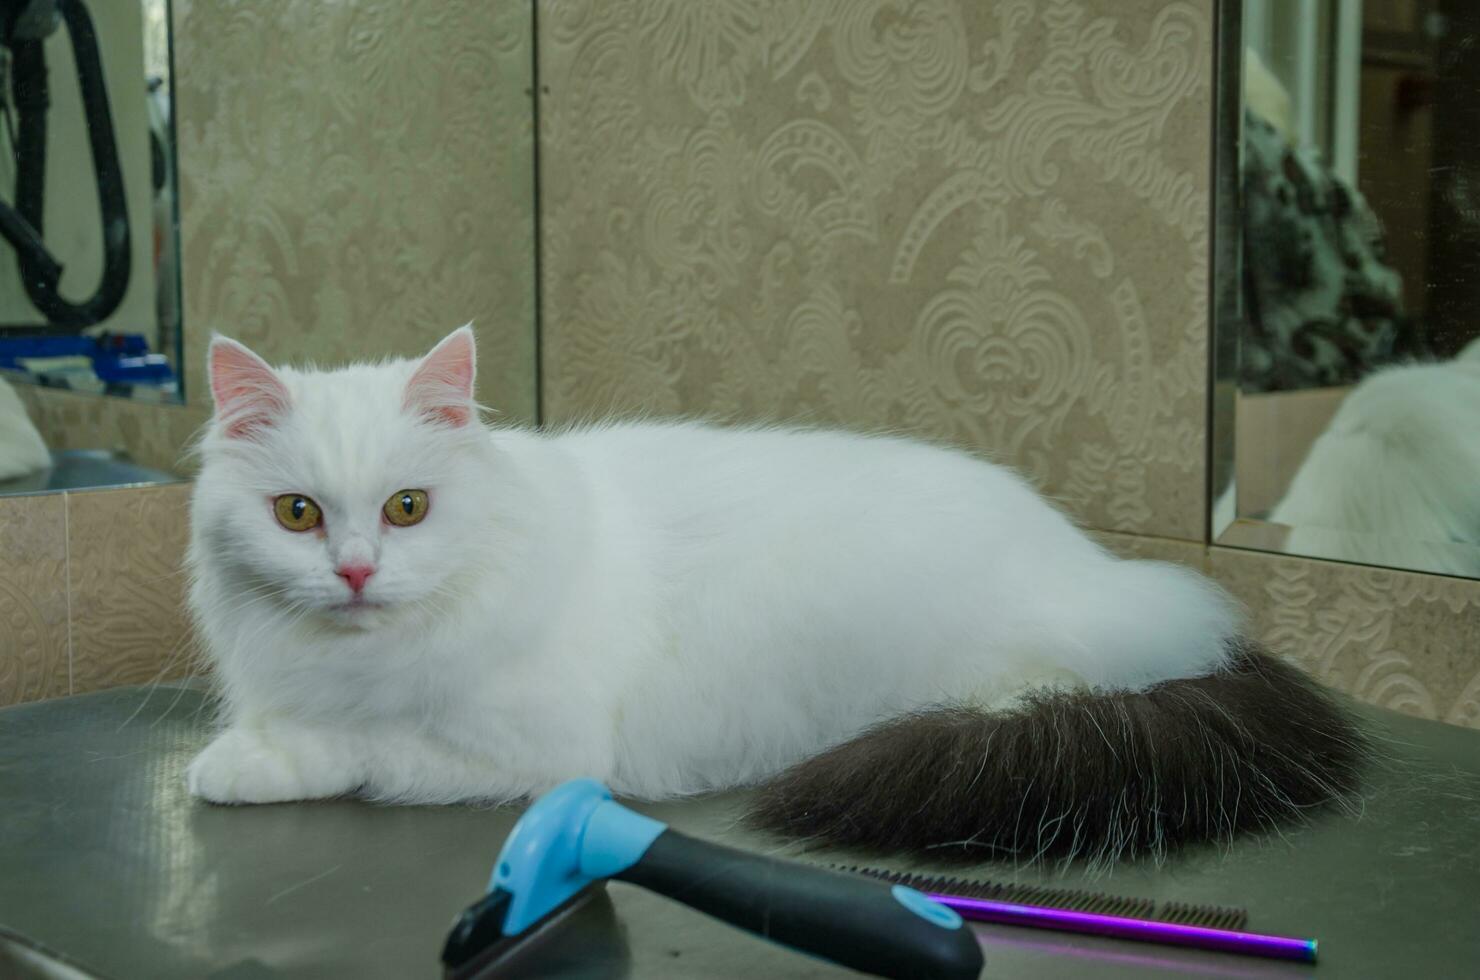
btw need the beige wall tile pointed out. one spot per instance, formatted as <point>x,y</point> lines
<point>1403,640</point>
<point>33,598</point>
<point>983,222</point>
<point>357,181</point>
<point>128,621</point>
<point>1398,639</point>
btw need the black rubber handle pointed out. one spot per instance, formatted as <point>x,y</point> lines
<point>847,919</point>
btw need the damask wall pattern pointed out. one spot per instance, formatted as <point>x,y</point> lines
<point>984,223</point>
<point>356,180</point>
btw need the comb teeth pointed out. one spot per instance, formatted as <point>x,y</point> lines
<point>1074,900</point>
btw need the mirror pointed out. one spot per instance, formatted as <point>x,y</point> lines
<point>338,207</point>
<point>1347,271</point>
<point>89,290</point>
<point>89,270</point>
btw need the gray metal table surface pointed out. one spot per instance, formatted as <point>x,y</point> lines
<point>107,863</point>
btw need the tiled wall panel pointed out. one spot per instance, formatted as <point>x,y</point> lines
<point>33,598</point>
<point>1402,640</point>
<point>982,222</point>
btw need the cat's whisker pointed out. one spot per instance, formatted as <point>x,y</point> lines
<point>150,686</point>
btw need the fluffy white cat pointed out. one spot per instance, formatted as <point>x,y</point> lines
<point>403,603</point>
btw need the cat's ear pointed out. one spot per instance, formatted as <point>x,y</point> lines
<point>249,395</point>
<point>442,385</point>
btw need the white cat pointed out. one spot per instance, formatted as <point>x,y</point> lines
<point>22,450</point>
<point>400,602</point>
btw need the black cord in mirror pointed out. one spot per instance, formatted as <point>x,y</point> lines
<point>24,27</point>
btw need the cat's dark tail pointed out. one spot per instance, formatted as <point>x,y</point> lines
<point>1098,776</point>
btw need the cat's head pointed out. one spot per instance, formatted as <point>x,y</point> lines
<point>350,495</point>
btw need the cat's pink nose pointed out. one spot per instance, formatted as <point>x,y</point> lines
<point>355,575</point>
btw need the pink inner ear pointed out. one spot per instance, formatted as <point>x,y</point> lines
<point>248,395</point>
<point>442,386</point>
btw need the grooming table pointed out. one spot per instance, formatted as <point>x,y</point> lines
<point>108,869</point>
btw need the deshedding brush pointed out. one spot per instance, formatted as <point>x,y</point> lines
<point>576,837</point>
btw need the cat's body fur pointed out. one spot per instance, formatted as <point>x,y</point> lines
<point>669,608</point>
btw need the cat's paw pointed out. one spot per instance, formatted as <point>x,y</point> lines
<point>249,766</point>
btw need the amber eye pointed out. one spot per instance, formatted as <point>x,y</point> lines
<point>296,512</point>
<point>406,507</point>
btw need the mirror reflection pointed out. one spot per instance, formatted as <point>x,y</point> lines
<point>89,293</point>
<point>1357,414</point>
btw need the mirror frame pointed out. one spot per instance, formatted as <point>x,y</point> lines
<point>1225,527</point>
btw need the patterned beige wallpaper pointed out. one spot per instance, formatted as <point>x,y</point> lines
<point>90,598</point>
<point>356,180</point>
<point>1399,639</point>
<point>983,222</point>
<point>34,652</point>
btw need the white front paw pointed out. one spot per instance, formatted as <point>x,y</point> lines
<point>249,766</point>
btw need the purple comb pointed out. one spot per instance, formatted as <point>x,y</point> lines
<point>1175,924</point>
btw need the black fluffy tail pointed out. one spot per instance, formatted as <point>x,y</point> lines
<point>1098,776</point>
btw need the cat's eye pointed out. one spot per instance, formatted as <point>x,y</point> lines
<point>297,513</point>
<point>406,507</point>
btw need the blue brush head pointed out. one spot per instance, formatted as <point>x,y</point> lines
<point>572,837</point>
